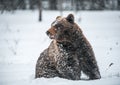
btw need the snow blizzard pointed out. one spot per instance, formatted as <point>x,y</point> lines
<point>23,38</point>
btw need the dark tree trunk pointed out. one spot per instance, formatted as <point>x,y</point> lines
<point>53,4</point>
<point>40,10</point>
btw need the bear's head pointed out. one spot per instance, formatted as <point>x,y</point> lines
<point>62,28</point>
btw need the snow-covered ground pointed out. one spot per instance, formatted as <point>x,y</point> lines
<point>23,38</point>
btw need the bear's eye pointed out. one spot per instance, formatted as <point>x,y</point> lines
<point>58,26</point>
<point>56,29</point>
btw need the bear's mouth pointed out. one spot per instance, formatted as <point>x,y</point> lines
<point>51,36</point>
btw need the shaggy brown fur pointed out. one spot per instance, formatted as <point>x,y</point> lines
<point>68,54</point>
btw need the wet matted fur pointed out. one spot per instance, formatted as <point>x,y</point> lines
<point>68,54</point>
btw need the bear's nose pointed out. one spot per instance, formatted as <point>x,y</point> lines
<point>47,32</point>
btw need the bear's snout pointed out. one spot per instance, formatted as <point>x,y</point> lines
<point>50,35</point>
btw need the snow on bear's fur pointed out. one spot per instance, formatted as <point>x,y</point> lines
<point>68,54</point>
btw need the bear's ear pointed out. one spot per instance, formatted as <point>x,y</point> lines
<point>70,18</point>
<point>58,17</point>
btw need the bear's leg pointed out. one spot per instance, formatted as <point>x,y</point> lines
<point>91,69</point>
<point>69,68</point>
<point>69,73</point>
<point>44,68</point>
<point>46,72</point>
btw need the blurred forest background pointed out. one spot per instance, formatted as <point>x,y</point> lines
<point>10,5</point>
<point>61,5</point>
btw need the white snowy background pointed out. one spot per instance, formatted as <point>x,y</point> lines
<point>23,38</point>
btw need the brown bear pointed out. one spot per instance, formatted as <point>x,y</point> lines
<point>68,54</point>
